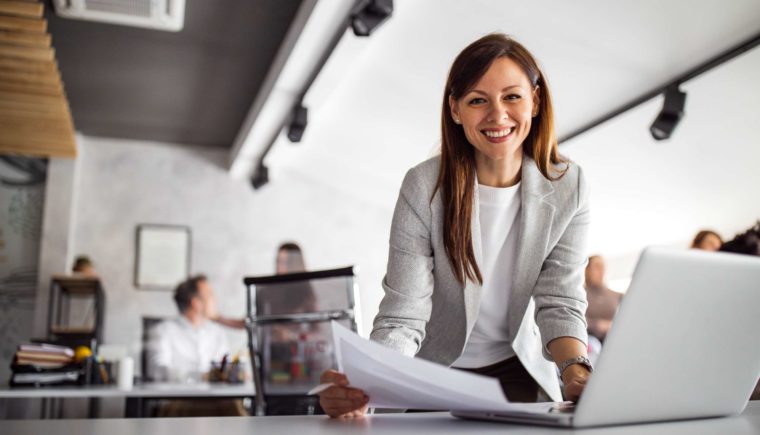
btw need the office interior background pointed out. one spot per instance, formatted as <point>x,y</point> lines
<point>171,128</point>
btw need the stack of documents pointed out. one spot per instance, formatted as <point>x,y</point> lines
<point>44,364</point>
<point>392,380</point>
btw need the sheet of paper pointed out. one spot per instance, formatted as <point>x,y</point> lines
<point>392,380</point>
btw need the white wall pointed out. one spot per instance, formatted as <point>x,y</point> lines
<point>235,230</point>
<point>707,175</point>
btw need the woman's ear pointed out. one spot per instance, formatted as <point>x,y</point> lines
<point>536,100</point>
<point>454,110</point>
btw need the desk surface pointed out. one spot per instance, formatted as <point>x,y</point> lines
<point>162,390</point>
<point>420,423</point>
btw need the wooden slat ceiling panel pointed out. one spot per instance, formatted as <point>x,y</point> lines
<point>35,118</point>
<point>27,9</point>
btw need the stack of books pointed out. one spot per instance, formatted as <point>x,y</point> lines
<point>44,355</point>
<point>44,364</point>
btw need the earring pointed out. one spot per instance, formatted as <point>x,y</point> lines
<point>457,121</point>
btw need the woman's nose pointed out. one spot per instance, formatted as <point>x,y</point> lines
<point>497,112</point>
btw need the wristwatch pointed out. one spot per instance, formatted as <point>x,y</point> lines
<point>582,360</point>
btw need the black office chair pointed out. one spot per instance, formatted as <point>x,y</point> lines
<point>288,322</point>
<point>147,324</point>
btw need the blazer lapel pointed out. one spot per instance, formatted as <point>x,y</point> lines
<point>536,216</point>
<point>472,289</point>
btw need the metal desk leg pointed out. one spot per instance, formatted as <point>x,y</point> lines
<point>93,407</point>
<point>133,407</point>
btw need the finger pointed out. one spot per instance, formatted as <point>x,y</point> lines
<point>344,403</point>
<point>342,393</point>
<point>338,408</point>
<point>357,413</point>
<point>573,391</point>
<point>334,377</point>
<point>340,412</point>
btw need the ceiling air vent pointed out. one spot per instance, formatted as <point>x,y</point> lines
<point>155,14</point>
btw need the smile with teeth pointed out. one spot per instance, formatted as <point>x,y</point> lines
<point>498,133</point>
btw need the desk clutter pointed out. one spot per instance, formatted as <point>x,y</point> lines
<point>228,370</point>
<point>36,365</point>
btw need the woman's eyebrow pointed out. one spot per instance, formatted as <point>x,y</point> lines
<point>478,91</point>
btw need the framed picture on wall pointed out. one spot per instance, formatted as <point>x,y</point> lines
<point>162,256</point>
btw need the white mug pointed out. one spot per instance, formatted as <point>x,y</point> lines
<point>126,373</point>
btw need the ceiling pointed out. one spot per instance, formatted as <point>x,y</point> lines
<point>376,110</point>
<point>191,87</point>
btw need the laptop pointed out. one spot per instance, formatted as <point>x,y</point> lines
<point>683,345</point>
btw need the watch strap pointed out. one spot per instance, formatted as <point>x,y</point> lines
<point>582,360</point>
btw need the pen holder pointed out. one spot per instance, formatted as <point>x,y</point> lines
<point>231,372</point>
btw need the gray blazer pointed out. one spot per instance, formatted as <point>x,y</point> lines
<point>426,312</point>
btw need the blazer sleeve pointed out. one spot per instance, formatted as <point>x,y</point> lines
<point>405,309</point>
<point>559,294</point>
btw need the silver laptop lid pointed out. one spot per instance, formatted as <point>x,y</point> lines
<point>684,343</point>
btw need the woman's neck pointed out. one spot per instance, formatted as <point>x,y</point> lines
<point>504,172</point>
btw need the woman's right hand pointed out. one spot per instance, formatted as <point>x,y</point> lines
<point>342,401</point>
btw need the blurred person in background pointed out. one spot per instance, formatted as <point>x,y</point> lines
<point>182,349</point>
<point>289,259</point>
<point>707,240</point>
<point>602,302</point>
<point>83,266</point>
<point>747,242</point>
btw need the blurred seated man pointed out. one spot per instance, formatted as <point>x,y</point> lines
<point>182,349</point>
<point>602,302</point>
<point>707,240</point>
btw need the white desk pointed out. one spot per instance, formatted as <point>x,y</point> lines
<point>155,390</point>
<point>134,397</point>
<point>396,424</point>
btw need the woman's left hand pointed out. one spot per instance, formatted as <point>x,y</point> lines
<point>575,378</point>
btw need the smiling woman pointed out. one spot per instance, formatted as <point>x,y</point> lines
<point>487,246</point>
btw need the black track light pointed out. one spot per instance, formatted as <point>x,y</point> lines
<point>260,176</point>
<point>368,15</point>
<point>298,123</point>
<point>671,113</point>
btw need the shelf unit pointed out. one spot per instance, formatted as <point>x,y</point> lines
<point>75,311</point>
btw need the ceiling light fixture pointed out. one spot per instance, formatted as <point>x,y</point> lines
<point>260,176</point>
<point>670,115</point>
<point>298,122</point>
<point>368,15</point>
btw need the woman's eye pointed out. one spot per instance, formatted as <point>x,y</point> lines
<point>477,101</point>
<point>512,97</point>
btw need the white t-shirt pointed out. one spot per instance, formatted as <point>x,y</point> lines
<point>184,351</point>
<point>499,229</point>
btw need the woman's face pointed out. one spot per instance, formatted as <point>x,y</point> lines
<point>496,114</point>
<point>710,242</point>
<point>288,261</point>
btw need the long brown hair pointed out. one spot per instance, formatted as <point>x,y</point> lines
<point>456,178</point>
